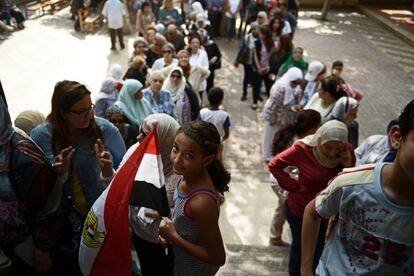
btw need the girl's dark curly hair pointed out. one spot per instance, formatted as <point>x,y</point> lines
<point>304,121</point>
<point>206,135</point>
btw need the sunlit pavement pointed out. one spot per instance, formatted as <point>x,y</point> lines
<point>376,62</point>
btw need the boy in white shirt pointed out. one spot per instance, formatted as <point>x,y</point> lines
<point>114,13</point>
<point>374,207</point>
<point>214,115</point>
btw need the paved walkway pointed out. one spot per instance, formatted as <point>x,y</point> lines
<point>376,62</point>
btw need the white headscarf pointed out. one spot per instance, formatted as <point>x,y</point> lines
<point>167,127</point>
<point>198,8</point>
<point>343,107</point>
<point>330,131</point>
<point>108,90</point>
<point>177,90</point>
<point>292,74</point>
<point>116,72</point>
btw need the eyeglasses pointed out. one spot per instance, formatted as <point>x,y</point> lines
<point>175,76</point>
<point>167,52</point>
<point>84,112</point>
<point>158,80</point>
<point>117,122</point>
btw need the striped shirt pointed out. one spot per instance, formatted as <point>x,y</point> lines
<point>186,264</point>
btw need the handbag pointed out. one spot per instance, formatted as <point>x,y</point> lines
<point>244,56</point>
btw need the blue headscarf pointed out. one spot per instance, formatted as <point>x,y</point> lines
<point>135,110</point>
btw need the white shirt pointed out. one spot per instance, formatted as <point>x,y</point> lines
<point>114,12</point>
<point>315,103</point>
<point>287,29</point>
<point>372,150</point>
<point>219,118</point>
<point>233,6</point>
<point>200,59</point>
<point>160,64</point>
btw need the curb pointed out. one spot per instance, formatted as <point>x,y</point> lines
<point>398,31</point>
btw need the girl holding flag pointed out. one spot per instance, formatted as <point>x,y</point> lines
<point>194,230</point>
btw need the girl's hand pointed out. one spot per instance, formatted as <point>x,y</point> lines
<point>104,158</point>
<point>167,229</point>
<point>162,242</point>
<point>62,160</point>
<point>41,261</point>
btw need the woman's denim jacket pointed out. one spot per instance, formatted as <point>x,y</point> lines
<point>87,165</point>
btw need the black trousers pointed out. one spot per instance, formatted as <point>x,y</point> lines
<point>113,33</point>
<point>18,15</point>
<point>152,258</point>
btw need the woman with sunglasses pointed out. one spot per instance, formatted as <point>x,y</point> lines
<point>167,59</point>
<point>88,149</point>
<point>129,134</point>
<point>277,111</point>
<point>186,102</point>
<point>159,99</point>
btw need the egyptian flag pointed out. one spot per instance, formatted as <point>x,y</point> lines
<point>105,247</point>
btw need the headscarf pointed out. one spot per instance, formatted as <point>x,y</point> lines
<point>343,107</point>
<point>29,119</point>
<point>178,90</point>
<point>167,127</point>
<point>135,110</point>
<point>330,131</point>
<point>291,75</point>
<point>116,72</point>
<point>6,132</point>
<point>198,8</point>
<point>108,90</point>
<point>112,110</point>
<point>291,62</point>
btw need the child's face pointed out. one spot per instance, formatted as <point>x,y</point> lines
<point>139,49</point>
<point>336,71</point>
<point>187,156</point>
<point>405,155</point>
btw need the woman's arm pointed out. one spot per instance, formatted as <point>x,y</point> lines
<point>289,157</point>
<point>256,60</point>
<point>310,233</point>
<point>203,209</point>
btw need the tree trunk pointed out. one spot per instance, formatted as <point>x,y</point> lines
<point>325,9</point>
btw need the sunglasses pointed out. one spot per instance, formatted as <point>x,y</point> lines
<point>167,52</point>
<point>117,122</point>
<point>84,112</point>
<point>176,76</point>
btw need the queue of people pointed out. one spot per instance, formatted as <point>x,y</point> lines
<point>53,169</point>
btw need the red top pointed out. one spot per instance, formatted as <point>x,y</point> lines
<point>313,177</point>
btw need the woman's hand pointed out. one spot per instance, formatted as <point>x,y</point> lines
<point>345,158</point>
<point>30,151</point>
<point>212,60</point>
<point>167,229</point>
<point>62,160</point>
<point>104,159</point>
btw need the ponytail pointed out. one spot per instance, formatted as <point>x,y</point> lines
<point>220,176</point>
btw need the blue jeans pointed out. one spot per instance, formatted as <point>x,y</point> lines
<point>295,224</point>
<point>231,27</point>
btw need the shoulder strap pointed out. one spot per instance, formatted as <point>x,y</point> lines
<point>197,192</point>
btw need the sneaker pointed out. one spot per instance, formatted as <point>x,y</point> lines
<point>280,243</point>
<point>243,98</point>
<point>122,47</point>
<point>254,106</point>
<point>260,99</point>
<point>113,48</point>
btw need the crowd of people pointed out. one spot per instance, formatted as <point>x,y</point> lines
<point>53,168</point>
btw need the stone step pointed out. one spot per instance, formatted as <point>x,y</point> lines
<point>249,260</point>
